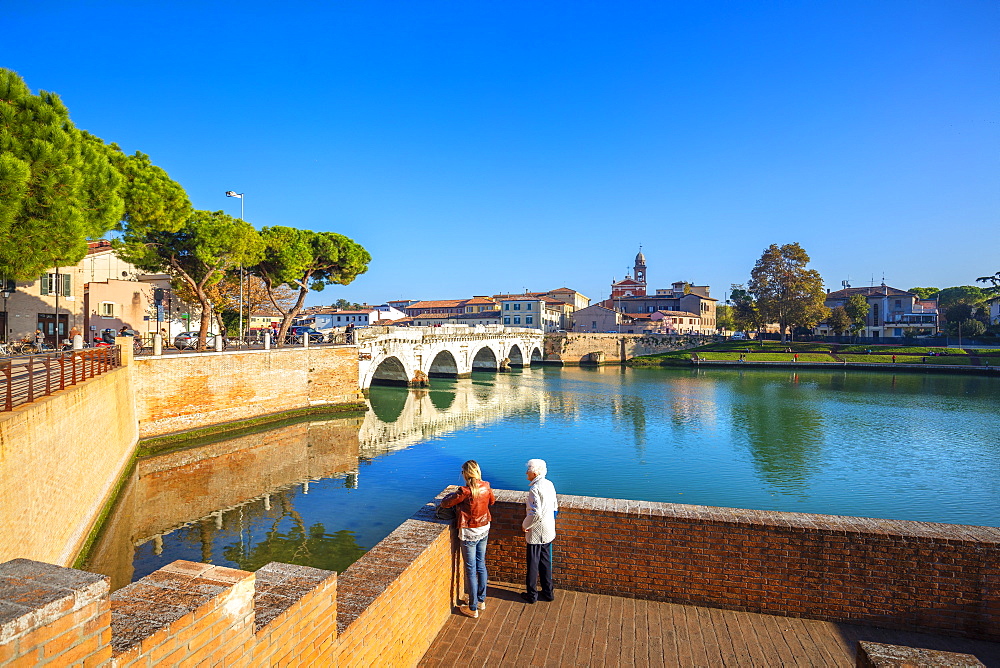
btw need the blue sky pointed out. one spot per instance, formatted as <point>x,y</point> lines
<point>480,147</point>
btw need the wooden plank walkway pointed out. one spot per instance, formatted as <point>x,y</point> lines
<point>580,629</point>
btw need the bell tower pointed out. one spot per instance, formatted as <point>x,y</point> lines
<point>640,270</point>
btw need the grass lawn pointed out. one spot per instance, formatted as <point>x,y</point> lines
<point>889,350</point>
<point>951,359</point>
<point>767,357</point>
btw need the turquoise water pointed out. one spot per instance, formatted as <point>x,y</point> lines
<point>906,446</point>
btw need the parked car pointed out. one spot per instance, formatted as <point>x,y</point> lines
<point>296,332</point>
<point>189,341</point>
<point>738,336</point>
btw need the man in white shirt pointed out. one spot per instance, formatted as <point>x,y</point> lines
<point>539,531</point>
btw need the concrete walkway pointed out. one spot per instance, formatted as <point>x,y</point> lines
<point>593,630</point>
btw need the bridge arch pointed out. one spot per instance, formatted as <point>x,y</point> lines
<point>485,359</point>
<point>443,365</point>
<point>515,356</point>
<point>390,371</point>
<point>536,355</point>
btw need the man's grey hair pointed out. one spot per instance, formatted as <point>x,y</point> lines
<point>537,466</point>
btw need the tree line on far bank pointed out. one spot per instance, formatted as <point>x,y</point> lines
<point>61,186</point>
<point>783,290</point>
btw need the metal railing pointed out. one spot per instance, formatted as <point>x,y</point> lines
<point>25,379</point>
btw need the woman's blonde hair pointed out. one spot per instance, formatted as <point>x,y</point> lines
<point>472,475</point>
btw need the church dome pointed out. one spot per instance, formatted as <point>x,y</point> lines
<point>640,258</point>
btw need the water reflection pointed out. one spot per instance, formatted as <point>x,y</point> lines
<point>321,492</point>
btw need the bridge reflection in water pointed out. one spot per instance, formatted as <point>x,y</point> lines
<point>244,500</point>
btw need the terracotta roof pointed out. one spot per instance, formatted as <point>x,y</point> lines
<point>478,300</point>
<point>440,303</point>
<point>683,314</point>
<point>873,291</point>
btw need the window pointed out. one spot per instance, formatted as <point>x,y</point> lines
<point>528,320</point>
<point>517,320</point>
<point>899,303</point>
<point>649,309</point>
<point>517,307</point>
<point>506,307</point>
<point>506,320</point>
<point>468,309</point>
<point>107,309</point>
<point>528,307</point>
<point>338,318</point>
<point>48,285</point>
<point>874,315</point>
<point>593,324</point>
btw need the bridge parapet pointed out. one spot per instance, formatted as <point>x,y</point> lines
<point>410,355</point>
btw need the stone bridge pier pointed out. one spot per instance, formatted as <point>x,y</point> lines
<point>411,355</point>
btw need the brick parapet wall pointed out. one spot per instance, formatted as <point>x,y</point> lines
<point>181,392</point>
<point>60,457</point>
<point>938,578</point>
<point>384,610</point>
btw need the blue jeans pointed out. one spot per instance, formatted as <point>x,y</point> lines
<point>474,555</point>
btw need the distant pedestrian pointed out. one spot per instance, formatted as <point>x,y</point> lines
<point>472,520</point>
<point>539,527</point>
<point>349,333</point>
<point>796,358</point>
<point>893,359</point>
<point>39,339</point>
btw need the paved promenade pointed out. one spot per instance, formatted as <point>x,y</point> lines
<point>593,630</point>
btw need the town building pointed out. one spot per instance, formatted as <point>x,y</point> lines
<point>327,318</point>
<point>630,297</point>
<point>532,312</point>
<point>102,291</point>
<point>892,312</point>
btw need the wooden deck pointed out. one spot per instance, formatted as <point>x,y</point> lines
<point>593,630</point>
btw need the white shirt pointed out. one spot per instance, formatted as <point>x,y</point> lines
<point>540,516</point>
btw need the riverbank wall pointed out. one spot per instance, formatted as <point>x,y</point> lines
<point>578,348</point>
<point>177,393</point>
<point>60,459</point>
<point>63,457</point>
<point>385,610</point>
<point>916,576</point>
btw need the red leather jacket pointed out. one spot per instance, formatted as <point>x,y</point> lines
<point>471,513</point>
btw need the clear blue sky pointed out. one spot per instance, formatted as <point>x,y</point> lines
<point>479,147</point>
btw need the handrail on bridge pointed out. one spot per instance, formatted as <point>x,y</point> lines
<point>34,376</point>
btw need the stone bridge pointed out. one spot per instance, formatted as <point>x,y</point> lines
<point>411,355</point>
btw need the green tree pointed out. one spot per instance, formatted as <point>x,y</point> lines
<point>724,318</point>
<point>839,321</point>
<point>924,293</point>
<point>304,260</point>
<point>785,291</point>
<point>746,317</point>
<point>994,280</point>
<point>961,294</point>
<point>57,184</point>
<point>153,201</point>
<point>857,309</point>
<point>196,255</point>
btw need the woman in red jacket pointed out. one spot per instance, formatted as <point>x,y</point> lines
<point>472,518</point>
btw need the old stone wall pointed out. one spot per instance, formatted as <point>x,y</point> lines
<point>384,610</point>
<point>939,578</point>
<point>60,458</point>
<point>586,348</point>
<point>169,490</point>
<point>181,392</point>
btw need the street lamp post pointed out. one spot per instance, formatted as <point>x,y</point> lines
<point>233,193</point>
<point>9,288</point>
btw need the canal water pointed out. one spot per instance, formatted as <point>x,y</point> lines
<point>321,492</point>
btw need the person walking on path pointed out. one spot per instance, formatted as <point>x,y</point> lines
<point>893,359</point>
<point>472,517</point>
<point>796,357</point>
<point>539,527</point>
<point>39,339</point>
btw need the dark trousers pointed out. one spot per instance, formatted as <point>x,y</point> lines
<point>539,562</point>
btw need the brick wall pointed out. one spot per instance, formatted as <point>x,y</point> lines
<point>60,458</point>
<point>181,392</point>
<point>939,578</point>
<point>577,347</point>
<point>386,609</point>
